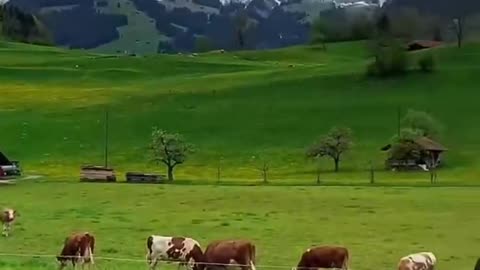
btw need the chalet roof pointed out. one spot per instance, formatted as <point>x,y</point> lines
<point>429,144</point>
<point>4,160</point>
<point>423,44</point>
<point>424,142</point>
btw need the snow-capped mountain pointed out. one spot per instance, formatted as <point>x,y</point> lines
<point>176,25</point>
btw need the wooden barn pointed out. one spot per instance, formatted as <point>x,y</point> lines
<point>416,45</point>
<point>430,153</point>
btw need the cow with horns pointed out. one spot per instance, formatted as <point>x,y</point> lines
<point>418,261</point>
<point>7,217</point>
<point>186,251</point>
<point>324,257</point>
<point>222,253</point>
<point>77,248</point>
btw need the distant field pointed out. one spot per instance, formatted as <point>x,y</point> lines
<point>235,107</point>
<point>378,225</point>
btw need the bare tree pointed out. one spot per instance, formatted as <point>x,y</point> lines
<point>459,27</point>
<point>241,26</point>
<point>170,149</point>
<point>334,144</point>
<point>264,167</point>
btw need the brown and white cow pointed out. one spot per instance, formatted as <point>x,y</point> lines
<point>418,261</point>
<point>77,248</point>
<point>324,257</point>
<point>7,218</point>
<point>186,251</point>
<point>221,253</point>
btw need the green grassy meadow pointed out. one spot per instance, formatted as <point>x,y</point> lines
<point>237,108</point>
<point>378,224</point>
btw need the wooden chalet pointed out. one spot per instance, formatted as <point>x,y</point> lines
<point>431,152</point>
<point>416,45</point>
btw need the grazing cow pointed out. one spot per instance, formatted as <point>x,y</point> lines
<point>7,217</point>
<point>78,248</point>
<point>186,251</point>
<point>220,254</point>
<point>324,257</point>
<point>418,261</point>
<point>477,266</point>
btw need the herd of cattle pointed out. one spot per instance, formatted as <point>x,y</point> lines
<point>79,249</point>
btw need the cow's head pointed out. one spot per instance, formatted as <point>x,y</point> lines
<point>9,214</point>
<point>405,264</point>
<point>198,257</point>
<point>86,240</point>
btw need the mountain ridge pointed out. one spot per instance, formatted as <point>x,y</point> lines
<point>152,26</point>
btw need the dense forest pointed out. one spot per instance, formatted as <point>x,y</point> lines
<point>17,25</point>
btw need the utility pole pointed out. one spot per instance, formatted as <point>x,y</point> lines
<point>399,111</point>
<point>106,137</point>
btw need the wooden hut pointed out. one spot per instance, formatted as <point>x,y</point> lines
<point>416,45</point>
<point>430,155</point>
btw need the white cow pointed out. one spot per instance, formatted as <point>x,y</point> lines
<point>185,251</point>
<point>418,261</point>
<point>7,217</point>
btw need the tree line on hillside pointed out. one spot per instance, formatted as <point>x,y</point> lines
<point>387,36</point>
<point>171,149</point>
<point>407,23</point>
<point>20,26</point>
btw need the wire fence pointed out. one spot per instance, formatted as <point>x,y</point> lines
<point>144,261</point>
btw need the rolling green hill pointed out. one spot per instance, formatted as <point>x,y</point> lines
<point>238,107</point>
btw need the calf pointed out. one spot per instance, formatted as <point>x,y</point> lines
<point>418,261</point>
<point>324,257</point>
<point>7,217</point>
<point>220,254</point>
<point>185,251</point>
<point>78,248</point>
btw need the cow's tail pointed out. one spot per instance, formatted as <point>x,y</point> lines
<point>149,247</point>
<point>252,257</point>
<point>346,260</point>
<point>91,255</point>
<point>91,247</point>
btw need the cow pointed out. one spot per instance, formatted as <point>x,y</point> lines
<point>7,217</point>
<point>222,253</point>
<point>477,265</point>
<point>186,251</point>
<point>79,249</point>
<point>418,261</point>
<point>324,257</point>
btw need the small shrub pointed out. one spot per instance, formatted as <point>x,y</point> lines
<point>389,61</point>
<point>399,61</point>
<point>372,69</point>
<point>426,63</point>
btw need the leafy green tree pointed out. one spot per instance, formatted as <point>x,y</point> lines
<point>203,44</point>
<point>333,145</point>
<point>422,124</point>
<point>170,149</point>
<point>319,32</point>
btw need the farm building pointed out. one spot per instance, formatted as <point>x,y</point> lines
<point>416,45</point>
<point>7,167</point>
<point>409,154</point>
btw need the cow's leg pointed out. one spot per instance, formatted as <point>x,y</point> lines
<point>6,229</point>
<point>153,263</point>
<point>246,265</point>
<point>62,265</point>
